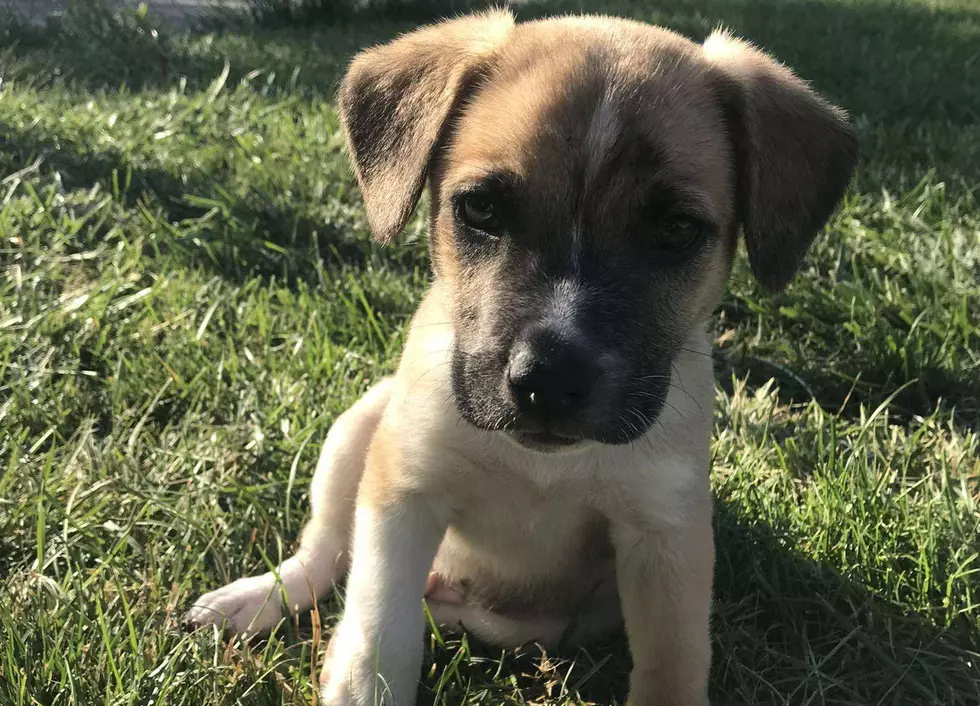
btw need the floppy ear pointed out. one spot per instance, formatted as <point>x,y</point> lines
<point>794,154</point>
<point>395,100</point>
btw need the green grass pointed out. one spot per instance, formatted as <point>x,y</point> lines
<point>188,297</point>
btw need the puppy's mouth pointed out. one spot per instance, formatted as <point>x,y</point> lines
<point>546,441</point>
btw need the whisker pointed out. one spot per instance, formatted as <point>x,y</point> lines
<point>659,399</point>
<point>424,373</point>
<point>631,427</point>
<point>648,395</point>
<point>691,350</point>
<point>693,398</point>
<point>441,387</point>
<point>659,421</point>
<point>680,386</point>
<point>454,349</point>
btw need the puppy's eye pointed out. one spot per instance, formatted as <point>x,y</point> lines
<point>678,236</point>
<point>479,212</point>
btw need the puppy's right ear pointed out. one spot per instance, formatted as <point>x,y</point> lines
<point>395,100</point>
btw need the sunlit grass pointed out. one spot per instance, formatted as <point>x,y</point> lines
<point>189,297</point>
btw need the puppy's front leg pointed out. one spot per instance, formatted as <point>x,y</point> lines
<point>253,604</point>
<point>375,656</point>
<point>664,580</point>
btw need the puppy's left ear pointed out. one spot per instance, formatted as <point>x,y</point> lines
<point>395,101</point>
<point>794,154</point>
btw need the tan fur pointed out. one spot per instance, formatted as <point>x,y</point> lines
<point>795,155</point>
<point>425,73</point>
<point>523,545</point>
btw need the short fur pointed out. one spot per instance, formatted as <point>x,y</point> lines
<point>596,141</point>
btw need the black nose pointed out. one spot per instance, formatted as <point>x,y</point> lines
<point>550,378</point>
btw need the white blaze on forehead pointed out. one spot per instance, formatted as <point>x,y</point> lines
<point>604,129</point>
<point>564,308</point>
<point>602,135</point>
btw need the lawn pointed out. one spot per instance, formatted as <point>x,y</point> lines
<point>189,297</point>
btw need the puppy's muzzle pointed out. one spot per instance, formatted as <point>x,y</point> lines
<point>550,379</point>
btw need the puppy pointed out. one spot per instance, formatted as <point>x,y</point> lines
<point>537,469</point>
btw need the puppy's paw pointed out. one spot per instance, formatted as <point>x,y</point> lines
<point>342,676</point>
<point>331,691</point>
<point>349,676</point>
<point>647,689</point>
<point>251,605</point>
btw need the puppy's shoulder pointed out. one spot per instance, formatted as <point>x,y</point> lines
<point>421,418</point>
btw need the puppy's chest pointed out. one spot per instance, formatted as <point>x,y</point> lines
<point>516,548</point>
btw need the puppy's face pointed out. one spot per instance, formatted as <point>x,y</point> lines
<point>588,179</point>
<point>582,209</point>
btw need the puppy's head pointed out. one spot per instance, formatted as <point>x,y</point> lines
<point>588,179</point>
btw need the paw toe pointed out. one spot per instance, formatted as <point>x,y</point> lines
<point>242,606</point>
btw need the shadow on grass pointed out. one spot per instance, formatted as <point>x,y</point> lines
<point>789,630</point>
<point>97,52</point>
<point>896,66</point>
<point>237,236</point>
<point>785,631</point>
<point>847,387</point>
<point>899,67</point>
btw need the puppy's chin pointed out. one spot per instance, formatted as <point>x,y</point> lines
<point>543,442</point>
